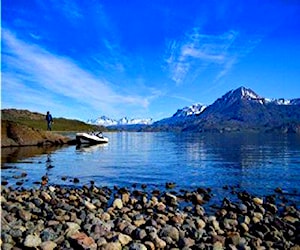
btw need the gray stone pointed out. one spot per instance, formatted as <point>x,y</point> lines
<point>137,246</point>
<point>48,245</point>
<point>48,234</point>
<point>243,208</point>
<point>24,215</point>
<point>124,239</point>
<point>7,246</point>
<point>32,241</point>
<point>72,228</point>
<point>16,233</point>
<point>170,231</point>
<point>7,238</point>
<point>112,246</point>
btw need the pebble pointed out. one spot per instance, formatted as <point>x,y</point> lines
<point>159,243</point>
<point>170,231</point>
<point>32,241</point>
<point>291,219</point>
<point>118,203</point>
<point>48,245</point>
<point>112,246</point>
<point>24,215</point>
<point>83,241</point>
<point>245,227</point>
<point>124,239</point>
<point>258,201</point>
<point>89,205</point>
<point>243,208</point>
<point>200,223</point>
<point>51,218</point>
<point>72,228</point>
<point>138,246</point>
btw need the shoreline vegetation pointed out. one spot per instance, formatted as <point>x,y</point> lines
<point>21,128</point>
<point>91,217</point>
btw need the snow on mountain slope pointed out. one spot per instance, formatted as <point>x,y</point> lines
<point>240,93</point>
<point>195,109</point>
<point>106,121</point>
<point>282,101</point>
<point>103,121</point>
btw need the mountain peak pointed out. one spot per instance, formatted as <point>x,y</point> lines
<point>243,93</point>
<point>239,94</point>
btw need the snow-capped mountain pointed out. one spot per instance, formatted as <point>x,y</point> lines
<point>106,121</point>
<point>181,116</point>
<point>237,110</point>
<point>103,121</point>
<point>243,93</point>
<point>195,109</point>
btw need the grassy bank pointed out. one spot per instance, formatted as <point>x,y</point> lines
<point>37,121</point>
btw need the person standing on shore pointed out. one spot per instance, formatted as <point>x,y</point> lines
<point>49,120</point>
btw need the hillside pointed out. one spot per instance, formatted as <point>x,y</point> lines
<point>37,121</point>
<point>15,134</point>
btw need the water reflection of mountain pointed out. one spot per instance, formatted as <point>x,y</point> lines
<point>236,150</point>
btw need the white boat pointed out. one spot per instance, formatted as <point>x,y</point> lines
<point>91,138</point>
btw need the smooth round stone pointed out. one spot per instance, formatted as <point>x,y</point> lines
<point>137,246</point>
<point>257,201</point>
<point>118,203</point>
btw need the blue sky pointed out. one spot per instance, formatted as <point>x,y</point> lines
<point>144,59</point>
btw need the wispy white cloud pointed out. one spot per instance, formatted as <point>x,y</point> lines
<point>114,61</point>
<point>198,52</point>
<point>34,72</point>
<point>34,36</point>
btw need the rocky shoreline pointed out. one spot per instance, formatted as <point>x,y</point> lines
<point>90,217</point>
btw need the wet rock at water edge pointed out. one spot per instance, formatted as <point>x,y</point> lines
<point>76,180</point>
<point>170,185</point>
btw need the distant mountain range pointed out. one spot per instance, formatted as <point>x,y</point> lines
<point>108,122</point>
<point>239,110</point>
<point>123,122</point>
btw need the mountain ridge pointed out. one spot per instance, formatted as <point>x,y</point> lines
<point>108,122</point>
<point>239,110</point>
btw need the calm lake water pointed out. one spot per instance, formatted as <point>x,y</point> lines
<point>257,163</point>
